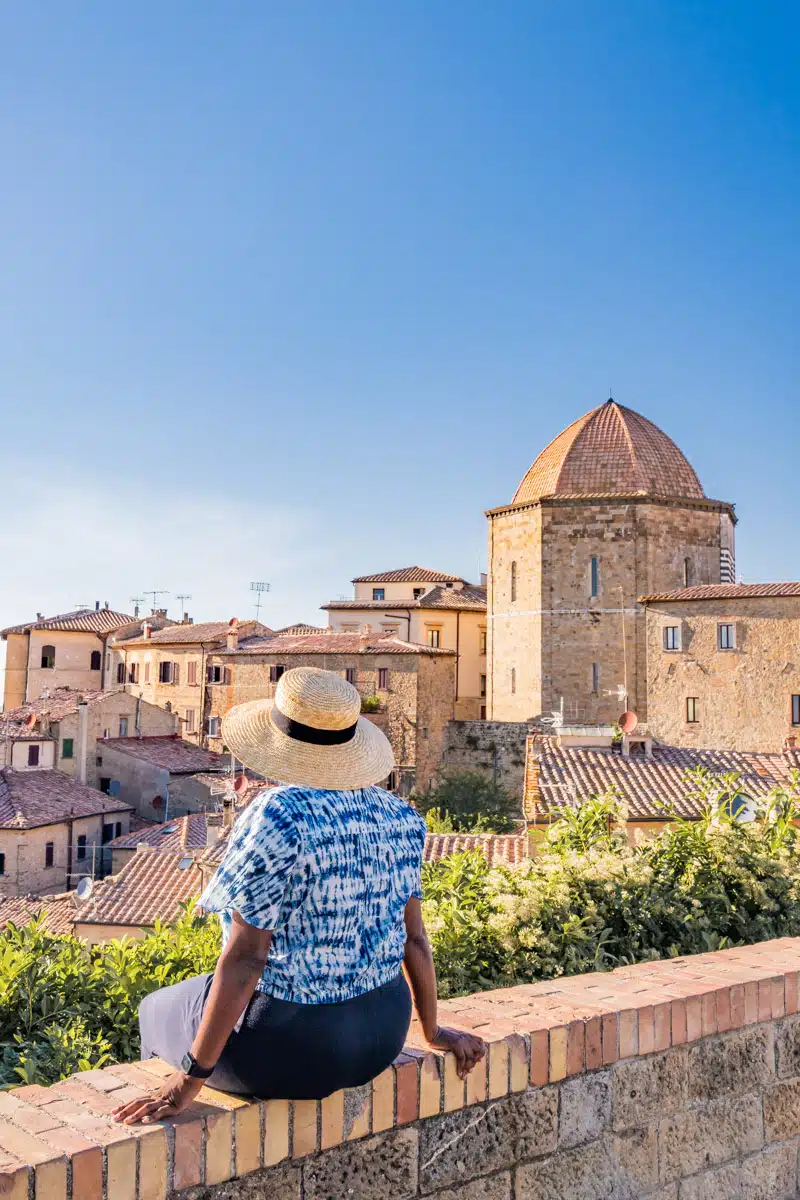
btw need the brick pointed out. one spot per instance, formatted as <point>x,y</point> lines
<point>790,983</point>
<point>576,1047</point>
<point>373,1169</point>
<point>383,1098</point>
<point>454,1090</point>
<point>694,1018</point>
<point>358,1112</point>
<point>558,1054</point>
<point>407,1093</point>
<point>647,1032</point>
<point>518,1062</point>
<point>477,1083</point>
<point>610,1038</point>
<point>787,1047</point>
<point>751,1003</point>
<point>645,1089</point>
<point>430,1086</point>
<point>584,1109</point>
<point>662,1024</point>
<point>724,1010</point>
<point>219,1147</point>
<point>247,1140</point>
<point>594,1047</point>
<point>153,1166</point>
<point>628,1033</point>
<point>540,1057</point>
<point>778,997</point>
<point>732,1065</point>
<point>51,1180</point>
<point>304,1127</point>
<point>24,1146</point>
<point>498,1070</point>
<point>765,1000</point>
<point>678,1022</point>
<point>708,1135</point>
<point>737,1006</point>
<point>622,1166</point>
<point>276,1132</point>
<point>188,1160</point>
<point>87,1175</point>
<point>782,1111</point>
<point>332,1121</point>
<point>15,1183</point>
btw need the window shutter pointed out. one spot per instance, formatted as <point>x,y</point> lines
<point>227,675</point>
<point>176,672</point>
<point>209,674</point>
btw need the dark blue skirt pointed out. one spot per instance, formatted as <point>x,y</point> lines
<point>282,1050</point>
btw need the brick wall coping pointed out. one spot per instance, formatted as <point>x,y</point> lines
<point>59,1143</point>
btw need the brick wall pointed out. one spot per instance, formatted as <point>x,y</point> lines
<point>497,747</point>
<point>675,1080</point>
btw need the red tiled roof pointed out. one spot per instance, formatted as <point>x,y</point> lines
<point>150,887</point>
<point>571,774</point>
<point>208,631</point>
<point>57,911</point>
<point>726,591</point>
<point>300,628</point>
<point>170,753</point>
<point>611,450</point>
<point>333,643</point>
<point>471,598</point>
<point>500,849</point>
<point>61,702</point>
<point>31,798</point>
<point>82,620</point>
<point>183,833</point>
<point>409,575</point>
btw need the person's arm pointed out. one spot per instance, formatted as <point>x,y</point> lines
<point>238,971</point>
<point>421,975</point>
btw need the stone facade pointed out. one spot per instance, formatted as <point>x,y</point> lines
<point>556,639</point>
<point>107,717</point>
<point>496,747</point>
<point>25,853</point>
<point>743,693</point>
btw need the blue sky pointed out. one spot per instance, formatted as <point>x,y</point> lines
<point>295,291</point>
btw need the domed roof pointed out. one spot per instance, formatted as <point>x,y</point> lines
<point>611,451</point>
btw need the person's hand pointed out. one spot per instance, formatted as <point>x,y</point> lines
<point>467,1048</point>
<point>174,1095</point>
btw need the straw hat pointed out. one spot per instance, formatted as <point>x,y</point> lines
<point>311,734</point>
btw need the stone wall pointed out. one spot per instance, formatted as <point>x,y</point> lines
<point>744,694</point>
<point>497,747</point>
<point>675,1080</point>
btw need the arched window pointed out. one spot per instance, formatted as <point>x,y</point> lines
<point>48,657</point>
<point>513,582</point>
<point>95,661</point>
<point>687,572</point>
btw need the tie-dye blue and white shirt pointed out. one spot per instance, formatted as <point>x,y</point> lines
<point>330,872</point>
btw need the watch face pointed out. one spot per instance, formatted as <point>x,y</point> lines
<point>187,1062</point>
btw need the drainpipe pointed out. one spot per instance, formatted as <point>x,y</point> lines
<point>403,617</point>
<point>69,852</point>
<point>83,740</point>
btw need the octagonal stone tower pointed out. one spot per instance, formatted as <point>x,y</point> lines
<point>611,510</point>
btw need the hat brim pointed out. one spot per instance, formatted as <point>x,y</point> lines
<point>250,735</point>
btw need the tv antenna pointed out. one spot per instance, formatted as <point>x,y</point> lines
<point>155,593</point>
<point>259,588</point>
<point>181,597</point>
<point>136,601</point>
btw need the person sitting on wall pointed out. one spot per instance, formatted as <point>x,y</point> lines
<point>319,899</point>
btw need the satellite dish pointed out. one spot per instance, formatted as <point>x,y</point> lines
<point>184,864</point>
<point>158,802</point>
<point>234,621</point>
<point>240,784</point>
<point>85,888</point>
<point>30,720</point>
<point>628,722</point>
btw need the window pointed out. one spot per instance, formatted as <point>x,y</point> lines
<point>98,762</point>
<point>213,726</point>
<point>595,584</point>
<point>483,686</point>
<point>48,657</point>
<point>147,672</point>
<point>418,592</point>
<point>596,678</point>
<point>167,706</point>
<point>214,674</point>
<point>123,727</point>
<point>726,637</point>
<point>513,582</point>
<point>133,673</point>
<point>2,864</point>
<point>513,679</point>
<point>350,675</point>
<point>68,748</point>
<point>379,593</point>
<point>692,709</point>
<point>108,833</point>
<point>190,720</point>
<point>120,672</point>
<point>191,672</point>
<point>481,641</point>
<point>95,661</point>
<point>80,853</point>
<point>105,786</point>
<point>483,712</point>
<point>383,679</point>
<point>688,574</point>
<point>48,854</point>
<point>275,672</point>
<point>435,638</point>
<point>165,672</point>
<point>796,710</point>
<point>672,637</point>
<point>33,756</point>
<point>118,829</point>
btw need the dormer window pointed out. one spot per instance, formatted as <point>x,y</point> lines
<point>379,593</point>
<point>48,658</point>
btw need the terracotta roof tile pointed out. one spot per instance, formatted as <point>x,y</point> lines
<point>170,753</point>
<point>333,643</point>
<point>409,575</point>
<point>570,774</point>
<point>61,702</point>
<point>726,591</point>
<point>57,911</point>
<point>471,598</point>
<point>500,849</point>
<point>31,798</point>
<point>611,450</point>
<point>207,631</point>
<point>183,833</point>
<point>150,887</point>
<point>82,620</point>
<point>300,628</point>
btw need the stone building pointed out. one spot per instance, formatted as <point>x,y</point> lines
<point>52,830</point>
<point>723,665</point>
<point>71,727</point>
<point>429,608</point>
<point>412,688</point>
<point>611,510</point>
<point>54,652</point>
<point>170,667</point>
<point>160,777</point>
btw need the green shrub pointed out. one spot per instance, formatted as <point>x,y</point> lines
<point>471,801</point>
<point>370,704</point>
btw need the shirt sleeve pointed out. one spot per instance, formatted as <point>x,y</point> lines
<point>253,876</point>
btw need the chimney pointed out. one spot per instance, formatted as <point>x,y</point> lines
<point>213,828</point>
<point>484,579</point>
<point>147,629</point>
<point>83,740</point>
<point>105,604</point>
<point>136,610</point>
<point>39,616</point>
<point>97,606</point>
<point>232,636</point>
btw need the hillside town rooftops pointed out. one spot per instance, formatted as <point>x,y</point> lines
<point>32,798</point>
<point>170,753</point>
<point>409,575</point>
<point>151,887</point>
<point>56,912</point>
<point>725,591</point>
<point>58,703</point>
<point>300,628</point>
<point>188,634</point>
<point>499,849</point>
<point>470,597</point>
<point>333,643</point>
<point>80,620</point>
<point>183,833</point>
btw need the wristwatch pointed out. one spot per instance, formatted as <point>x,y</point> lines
<point>190,1066</point>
